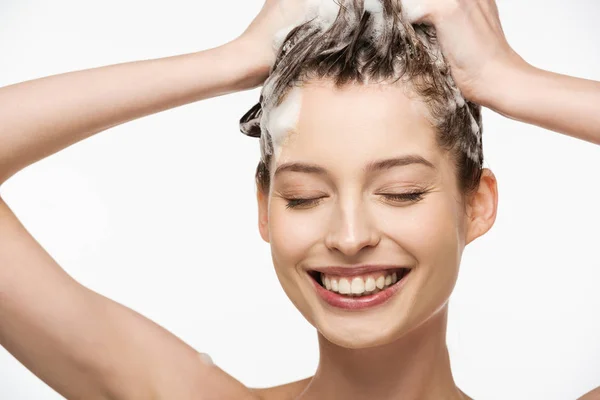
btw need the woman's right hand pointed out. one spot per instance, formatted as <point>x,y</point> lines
<point>269,28</point>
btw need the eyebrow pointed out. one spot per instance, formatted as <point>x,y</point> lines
<point>371,167</point>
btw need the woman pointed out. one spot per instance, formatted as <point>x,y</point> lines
<point>413,214</point>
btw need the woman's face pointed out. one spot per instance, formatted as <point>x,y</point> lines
<point>355,220</point>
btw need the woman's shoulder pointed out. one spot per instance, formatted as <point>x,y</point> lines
<point>593,395</point>
<point>282,392</point>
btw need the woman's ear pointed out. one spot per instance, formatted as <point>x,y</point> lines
<point>263,214</point>
<point>482,206</point>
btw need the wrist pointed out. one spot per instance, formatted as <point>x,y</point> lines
<point>502,81</point>
<point>252,67</point>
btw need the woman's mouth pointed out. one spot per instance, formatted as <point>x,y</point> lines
<point>359,291</point>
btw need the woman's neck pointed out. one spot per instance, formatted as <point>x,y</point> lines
<point>417,366</point>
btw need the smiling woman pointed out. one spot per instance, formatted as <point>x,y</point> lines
<point>370,186</point>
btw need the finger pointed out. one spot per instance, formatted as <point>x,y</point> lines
<point>492,15</point>
<point>494,7</point>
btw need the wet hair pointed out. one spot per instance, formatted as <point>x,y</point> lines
<point>362,46</point>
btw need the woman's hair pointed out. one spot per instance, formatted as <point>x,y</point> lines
<point>370,41</point>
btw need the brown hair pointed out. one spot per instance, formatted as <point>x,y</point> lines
<point>361,46</point>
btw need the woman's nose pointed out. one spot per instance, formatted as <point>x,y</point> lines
<point>351,229</point>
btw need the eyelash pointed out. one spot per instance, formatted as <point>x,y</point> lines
<point>412,197</point>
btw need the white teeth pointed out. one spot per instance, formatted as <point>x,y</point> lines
<point>344,286</point>
<point>358,286</point>
<point>370,284</point>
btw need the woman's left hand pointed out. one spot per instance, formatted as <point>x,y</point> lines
<point>472,41</point>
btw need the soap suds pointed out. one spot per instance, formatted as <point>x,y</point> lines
<point>474,126</point>
<point>376,9</point>
<point>373,6</point>
<point>282,120</point>
<point>276,122</point>
<point>458,98</point>
<point>413,10</point>
<point>280,37</point>
<point>323,11</point>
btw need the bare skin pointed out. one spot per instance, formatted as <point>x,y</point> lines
<point>50,320</point>
<point>294,390</point>
<point>284,392</point>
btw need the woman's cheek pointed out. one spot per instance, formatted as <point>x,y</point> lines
<point>436,245</point>
<point>293,232</point>
<point>427,230</point>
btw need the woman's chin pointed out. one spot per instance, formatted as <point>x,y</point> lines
<point>356,335</point>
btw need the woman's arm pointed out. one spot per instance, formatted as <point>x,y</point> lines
<point>79,342</point>
<point>489,72</point>
<point>82,344</point>
<point>560,103</point>
<point>42,116</point>
<point>86,346</point>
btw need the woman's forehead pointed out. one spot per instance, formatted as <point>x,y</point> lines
<point>319,120</point>
<point>354,107</point>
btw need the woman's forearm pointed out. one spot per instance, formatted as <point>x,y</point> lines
<point>42,116</point>
<point>553,101</point>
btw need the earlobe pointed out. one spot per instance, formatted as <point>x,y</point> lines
<point>263,215</point>
<point>483,206</point>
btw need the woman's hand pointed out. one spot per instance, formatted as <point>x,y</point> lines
<point>275,19</point>
<point>469,32</point>
<point>489,72</point>
<point>472,41</point>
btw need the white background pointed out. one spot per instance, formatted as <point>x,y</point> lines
<point>146,214</point>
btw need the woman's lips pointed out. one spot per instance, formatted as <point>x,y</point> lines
<point>358,303</point>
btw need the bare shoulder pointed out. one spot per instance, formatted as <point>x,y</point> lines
<point>288,391</point>
<point>593,395</point>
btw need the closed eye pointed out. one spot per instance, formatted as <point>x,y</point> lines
<point>411,197</point>
<point>404,197</point>
<point>302,203</point>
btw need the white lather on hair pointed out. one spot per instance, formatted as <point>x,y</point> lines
<point>413,10</point>
<point>324,12</point>
<point>280,115</point>
<point>279,121</point>
<point>376,9</point>
<point>282,120</point>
